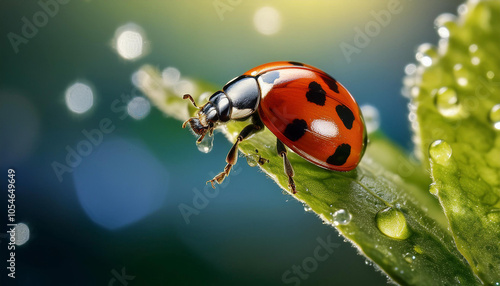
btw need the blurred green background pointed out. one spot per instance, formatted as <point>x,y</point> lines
<point>115,208</point>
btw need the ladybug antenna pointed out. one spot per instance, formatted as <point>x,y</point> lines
<point>186,122</point>
<point>188,96</point>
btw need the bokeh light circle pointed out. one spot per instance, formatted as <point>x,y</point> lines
<point>267,21</point>
<point>130,41</point>
<point>79,97</point>
<point>22,234</point>
<point>139,107</point>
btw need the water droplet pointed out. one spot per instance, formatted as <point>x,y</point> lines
<point>443,23</point>
<point>410,69</point>
<point>447,103</point>
<point>415,91</point>
<point>443,32</point>
<point>475,61</point>
<point>490,74</point>
<point>494,116</point>
<point>252,160</point>
<point>433,189</point>
<point>331,206</point>
<point>440,152</point>
<point>409,257</point>
<point>426,54</point>
<point>473,48</point>
<point>461,75</point>
<point>371,117</point>
<point>341,217</point>
<point>462,9</point>
<point>392,223</point>
<point>206,144</point>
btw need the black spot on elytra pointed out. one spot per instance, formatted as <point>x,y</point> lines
<point>270,77</point>
<point>346,115</point>
<point>316,94</point>
<point>332,84</point>
<point>340,156</point>
<point>296,63</point>
<point>295,130</point>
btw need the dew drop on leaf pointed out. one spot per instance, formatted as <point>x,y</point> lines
<point>475,61</point>
<point>392,222</point>
<point>433,189</point>
<point>341,217</point>
<point>462,9</point>
<point>252,160</point>
<point>461,75</point>
<point>206,144</point>
<point>426,54</point>
<point>490,74</point>
<point>442,24</point>
<point>409,257</point>
<point>446,102</point>
<point>494,116</point>
<point>473,48</point>
<point>410,69</point>
<point>440,152</point>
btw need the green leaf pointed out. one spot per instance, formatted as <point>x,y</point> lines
<point>456,93</point>
<point>383,207</point>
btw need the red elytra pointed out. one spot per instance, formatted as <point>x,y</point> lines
<point>331,114</point>
<point>305,108</point>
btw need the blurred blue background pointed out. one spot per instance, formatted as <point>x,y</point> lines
<point>101,179</point>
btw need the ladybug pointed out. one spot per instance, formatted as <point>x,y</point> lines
<point>306,109</point>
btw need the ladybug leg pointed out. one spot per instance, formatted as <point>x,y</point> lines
<point>232,156</point>
<point>288,167</point>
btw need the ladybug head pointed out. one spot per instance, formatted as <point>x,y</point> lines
<point>205,121</point>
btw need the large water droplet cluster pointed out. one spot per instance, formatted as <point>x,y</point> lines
<point>460,81</point>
